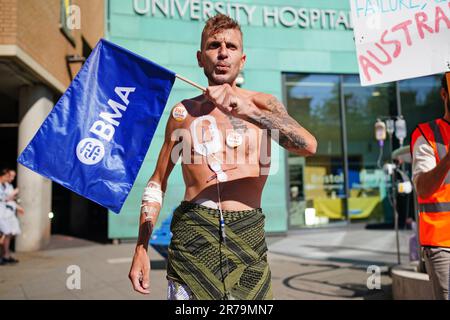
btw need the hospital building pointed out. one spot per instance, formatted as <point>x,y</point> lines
<point>301,51</point>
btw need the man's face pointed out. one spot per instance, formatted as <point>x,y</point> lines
<point>222,57</point>
<point>12,176</point>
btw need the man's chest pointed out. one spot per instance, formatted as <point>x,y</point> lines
<point>217,134</point>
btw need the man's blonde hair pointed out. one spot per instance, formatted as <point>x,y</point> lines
<point>218,23</point>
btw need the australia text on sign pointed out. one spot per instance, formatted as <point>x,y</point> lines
<point>395,41</point>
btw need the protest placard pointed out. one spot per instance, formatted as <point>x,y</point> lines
<point>401,39</point>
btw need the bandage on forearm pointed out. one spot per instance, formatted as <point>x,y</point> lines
<point>151,213</point>
<point>153,193</point>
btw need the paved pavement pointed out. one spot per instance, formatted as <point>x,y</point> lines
<point>308,264</point>
<point>353,244</point>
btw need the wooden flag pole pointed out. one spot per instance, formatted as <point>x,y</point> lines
<point>447,75</point>
<point>192,83</point>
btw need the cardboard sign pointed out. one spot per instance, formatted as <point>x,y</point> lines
<point>401,39</point>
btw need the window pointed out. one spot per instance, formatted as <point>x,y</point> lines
<point>317,185</point>
<point>420,101</point>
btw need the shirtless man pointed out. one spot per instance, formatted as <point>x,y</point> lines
<point>221,136</point>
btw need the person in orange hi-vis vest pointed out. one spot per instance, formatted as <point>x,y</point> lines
<point>430,143</point>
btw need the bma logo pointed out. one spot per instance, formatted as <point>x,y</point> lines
<point>90,151</point>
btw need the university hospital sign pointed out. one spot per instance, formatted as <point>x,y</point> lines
<point>247,14</point>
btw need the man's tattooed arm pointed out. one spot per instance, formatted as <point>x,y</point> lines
<point>271,115</point>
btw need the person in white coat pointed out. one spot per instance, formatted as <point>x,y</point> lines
<point>9,224</point>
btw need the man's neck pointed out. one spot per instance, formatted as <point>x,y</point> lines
<point>233,85</point>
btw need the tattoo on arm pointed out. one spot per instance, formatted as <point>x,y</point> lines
<point>145,232</point>
<point>238,124</point>
<point>276,117</point>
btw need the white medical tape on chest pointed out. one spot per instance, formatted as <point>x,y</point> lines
<point>209,147</point>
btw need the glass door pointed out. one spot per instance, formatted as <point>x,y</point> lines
<point>367,199</point>
<point>343,181</point>
<point>317,193</point>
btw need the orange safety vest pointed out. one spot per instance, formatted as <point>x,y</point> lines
<point>434,211</point>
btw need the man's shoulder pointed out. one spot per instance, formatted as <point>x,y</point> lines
<point>187,103</point>
<point>428,124</point>
<point>182,111</point>
<point>423,133</point>
<point>194,100</point>
<point>418,140</point>
<point>254,94</point>
<point>421,141</point>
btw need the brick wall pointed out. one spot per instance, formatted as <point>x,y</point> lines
<point>8,21</point>
<point>34,25</point>
<point>92,20</point>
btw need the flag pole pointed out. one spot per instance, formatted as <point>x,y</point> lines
<point>192,83</point>
<point>447,75</point>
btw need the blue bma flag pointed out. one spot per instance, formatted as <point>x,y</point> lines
<point>95,139</point>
